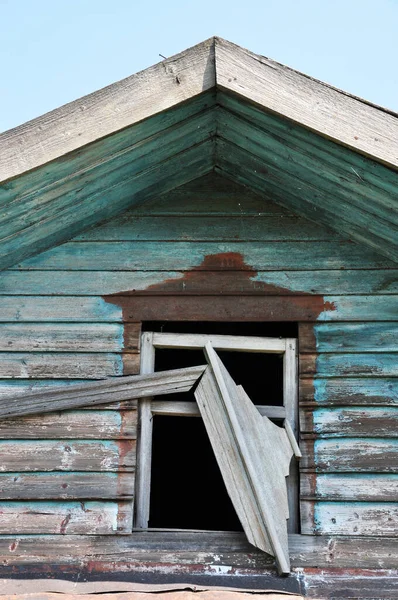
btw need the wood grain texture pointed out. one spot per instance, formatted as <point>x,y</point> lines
<point>349,518</point>
<point>93,518</point>
<point>67,455</point>
<point>350,421</point>
<point>64,365</point>
<point>112,108</point>
<point>181,548</point>
<point>349,365</point>
<point>349,487</point>
<point>66,486</point>
<point>247,448</point>
<point>126,256</point>
<point>369,391</point>
<point>274,87</point>
<point>248,169</point>
<point>24,286</point>
<point>83,424</point>
<point>101,392</point>
<point>349,337</point>
<point>342,455</point>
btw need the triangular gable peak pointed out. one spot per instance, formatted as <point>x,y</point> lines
<point>320,152</point>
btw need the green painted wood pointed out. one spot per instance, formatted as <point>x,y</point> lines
<point>67,455</point>
<point>93,518</point>
<point>66,486</point>
<point>247,169</point>
<point>211,195</point>
<point>365,391</point>
<point>77,188</point>
<point>125,256</point>
<point>336,156</point>
<point>349,455</point>
<point>66,365</point>
<point>350,518</point>
<point>348,188</point>
<point>103,150</point>
<point>45,308</point>
<point>357,337</point>
<point>77,424</point>
<point>349,486</point>
<point>349,421</point>
<point>350,365</point>
<point>62,337</point>
<point>63,225</point>
<point>16,286</point>
<point>221,228</point>
<point>355,176</point>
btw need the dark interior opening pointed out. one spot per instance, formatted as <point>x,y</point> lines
<point>187,489</point>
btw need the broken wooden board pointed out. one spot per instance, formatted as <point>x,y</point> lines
<point>247,448</point>
<point>101,392</point>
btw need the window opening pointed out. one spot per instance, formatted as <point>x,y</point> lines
<point>264,361</point>
<point>187,489</point>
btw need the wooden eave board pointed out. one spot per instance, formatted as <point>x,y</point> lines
<point>308,174</point>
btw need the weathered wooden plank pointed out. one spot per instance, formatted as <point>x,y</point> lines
<point>247,448</point>
<point>67,455</point>
<point>14,388</point>
<point>349,487</point>
<point>349,518</point>
<point>66,486</point>
<point>69,283</point>
<point>189,594</point>
<point>88,119</point>
<point>184,547</point>
<point>44,308</point>
<point>349,337</point>
<point>83,424</point>
<point>300,197</point>
<point>101,392</point>
<point>349,365</point>
<point>64,365</point>
<point>340,455</point>
<point>211,195</point>
<point>62,225</point>
<point>126,256</point>
<point>309,168</point>
<point>349,391</point>
<point>220,342</point>
<point>351,583</point>
<point>32,209</point>
<point>93,518</point>
<point>190,409</point>
<point>336,158</point>
<point>103,149</point>
<point>350,421</point>
<point>68,337</point>
<point>130,227</point>
<point>357,124</point>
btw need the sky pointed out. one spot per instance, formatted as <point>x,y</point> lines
<point>54,51</point>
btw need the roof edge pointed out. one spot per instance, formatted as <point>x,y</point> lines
<point>107,110</point>
<point>346,119</point>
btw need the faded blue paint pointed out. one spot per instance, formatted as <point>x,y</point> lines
<point>378,391</point>
<point>355,364</point>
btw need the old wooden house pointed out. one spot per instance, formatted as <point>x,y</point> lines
<point>217,201</point>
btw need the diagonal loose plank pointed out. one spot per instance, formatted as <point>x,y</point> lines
<point>106,391</point>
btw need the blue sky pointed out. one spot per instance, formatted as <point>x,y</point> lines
<point>54,51</point>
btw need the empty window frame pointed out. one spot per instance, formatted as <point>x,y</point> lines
<point>150,342</point>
